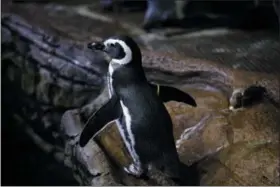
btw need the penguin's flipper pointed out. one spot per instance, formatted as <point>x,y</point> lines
<point>167,93</point>
<point>98,121</point>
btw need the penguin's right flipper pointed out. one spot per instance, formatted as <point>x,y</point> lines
<point>98,121</point>
<point>167,93</point>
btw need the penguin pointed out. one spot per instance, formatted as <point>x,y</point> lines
<point>137,107</point>
<point>248,96</point>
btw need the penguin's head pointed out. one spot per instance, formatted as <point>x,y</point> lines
<point>121,50</point>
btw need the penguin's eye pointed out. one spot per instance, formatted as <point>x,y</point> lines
<point>115,50</point>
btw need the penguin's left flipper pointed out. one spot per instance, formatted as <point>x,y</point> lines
<point>99,120</point>
<point>167,93</point>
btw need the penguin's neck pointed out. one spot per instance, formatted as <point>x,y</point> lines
<point>127,73</point>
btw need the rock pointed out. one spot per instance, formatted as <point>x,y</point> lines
<point>241,147</point>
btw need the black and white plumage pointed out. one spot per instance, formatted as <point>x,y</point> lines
<point>247,96</point>
<point>142,119</point>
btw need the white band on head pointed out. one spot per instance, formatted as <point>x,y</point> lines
<point>128,53</point>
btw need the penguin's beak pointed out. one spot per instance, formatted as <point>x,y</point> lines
<point>99,46</point>
<point>96,46</point>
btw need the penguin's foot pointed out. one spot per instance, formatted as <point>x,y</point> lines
<point>134,169</point>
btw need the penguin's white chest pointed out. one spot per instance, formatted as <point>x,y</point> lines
<point>127,118</point>
<point>110,81</point>
<point>130,140</point>
<point>110,86</point>
<point>126,127</point>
